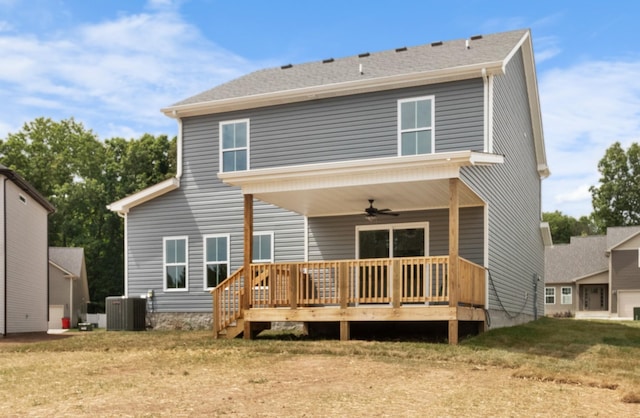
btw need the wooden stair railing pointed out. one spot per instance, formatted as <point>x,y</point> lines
<point>228,299</point>
<point>227,304</point>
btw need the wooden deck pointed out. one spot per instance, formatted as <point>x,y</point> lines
<point>400,289</point>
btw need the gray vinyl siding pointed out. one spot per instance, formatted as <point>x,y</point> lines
<point>357,127</point>
<point>26,262</point>
<point>625,273</point>
<point>337,129</point>
<point>202,205</point>
<point>335,238</point>
<point>512,193</point>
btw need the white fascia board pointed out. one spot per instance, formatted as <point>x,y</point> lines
<point>366,171</point>
<point>66,272</point>
<point>334,90</point>
<point>534,102</point>
<point>122,206</point>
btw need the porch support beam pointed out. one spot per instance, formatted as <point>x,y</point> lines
<point>454,233</point>
<point>345,330</point>
<point>248,253</point>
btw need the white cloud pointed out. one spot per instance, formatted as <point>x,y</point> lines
<point>115,73</point>
<point>586,108</point>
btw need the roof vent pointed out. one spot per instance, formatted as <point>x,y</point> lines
<point>436,43</point>
<point>404,48</point>
<point>284,67</point>
<point>328,60</point>
<point>476,37</point>
<point>364,54</point>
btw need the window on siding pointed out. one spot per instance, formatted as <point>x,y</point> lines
<point>216,260</point>
<point>263,247</point>
<point>175,263</point>
<point>415,126</point>
<point>234,145</point>
<point>549,295</point>
<point>565,298</point>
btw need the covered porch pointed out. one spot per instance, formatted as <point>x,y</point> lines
<point>400,287</point>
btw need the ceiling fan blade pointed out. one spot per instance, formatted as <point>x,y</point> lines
<point>388,213</point>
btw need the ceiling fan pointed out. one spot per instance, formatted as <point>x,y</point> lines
<point>372,212</point>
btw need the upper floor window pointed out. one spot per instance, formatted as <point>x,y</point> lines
<point>263,247</point>
<point>566,298</point>
<point>216,250</point>
<point>175,263</point>
<point>415,126</point>
<point>234,145</point>
<point>550,295</point>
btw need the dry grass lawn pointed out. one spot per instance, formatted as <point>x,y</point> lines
<point>547,368</point>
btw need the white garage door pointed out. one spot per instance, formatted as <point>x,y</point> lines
<point>56,312</point>
<point>627,300</point>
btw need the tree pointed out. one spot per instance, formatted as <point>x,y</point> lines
<point>81,175</point>
<point>616,201</point>
<point>563,227</point>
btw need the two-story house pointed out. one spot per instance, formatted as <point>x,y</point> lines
<point>595,276</point>
<point>24,221</point>
<point>401,185</point>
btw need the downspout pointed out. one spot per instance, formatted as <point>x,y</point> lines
<point>123,215</point>
<point>486,83</point>
<point>178,148</point>
<point>487,148</point>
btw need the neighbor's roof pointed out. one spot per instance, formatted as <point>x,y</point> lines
<point>584,256</point>
<point>437,60</point>
<point>27,187</point>
<point>581,257</point>
<point>70,259</point>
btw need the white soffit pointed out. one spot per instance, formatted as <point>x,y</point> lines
<point>341,188</point>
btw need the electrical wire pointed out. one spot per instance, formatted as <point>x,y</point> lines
<point>509,314</point>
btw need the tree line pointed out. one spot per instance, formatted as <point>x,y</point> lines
<point>615,200</point>
<point>80,175</point>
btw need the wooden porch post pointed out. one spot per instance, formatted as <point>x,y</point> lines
<point>248,254</point>
<point>454,232</point>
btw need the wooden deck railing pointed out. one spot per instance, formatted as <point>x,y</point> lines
<point>400,281</point>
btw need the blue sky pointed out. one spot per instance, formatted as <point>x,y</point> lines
<point>112,64</point>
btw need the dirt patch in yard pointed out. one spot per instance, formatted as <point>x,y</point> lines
<point>32,337</point>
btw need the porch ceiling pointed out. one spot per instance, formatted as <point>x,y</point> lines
<point>344,188</point>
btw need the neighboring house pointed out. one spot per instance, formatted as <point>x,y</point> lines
<point>23,255</point>
<point>285,172</point>
<point>68,287</point>
<point>594,276</point>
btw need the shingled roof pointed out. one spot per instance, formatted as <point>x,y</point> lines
<point>436,59</point>
<point>584,256</point>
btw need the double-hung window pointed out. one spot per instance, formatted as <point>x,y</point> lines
<point>234,145</point>
<point>566,296</point>
<point>216,261</point>
<point>550,295</point>
<point>415,126</point>
<point>175,263</point>
<point>263,247</point>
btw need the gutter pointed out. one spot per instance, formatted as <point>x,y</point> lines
<point>332,90</point>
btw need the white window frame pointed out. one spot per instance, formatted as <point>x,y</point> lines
<point>206,262</point>
<point>222,150</point>
<point>269,260</point>
<point>185,264</point>
<point>566,299</point>
<point>432,128</point>
<point>546,296</point>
